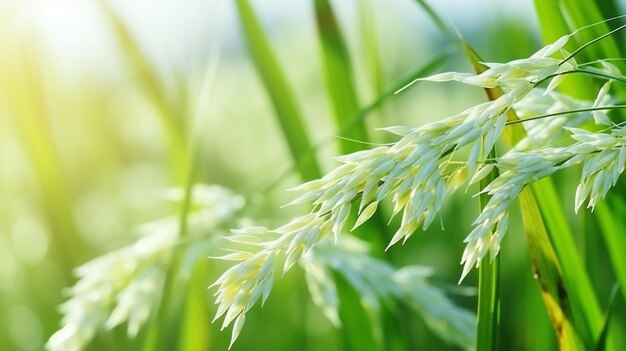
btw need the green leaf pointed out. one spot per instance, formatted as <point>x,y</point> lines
<point>601,344</point>
<point>370,42</point>
<point>584,303</point>
<point>547,271</point>
<point>288,113</point>
<point>579,13</point>
<point>27,101</point>
<point>195,327</point>
<point>151,85</point>
<point>338,74</point>
<point>358,324</point>
<point>611,215</point>
<point>582,13</point>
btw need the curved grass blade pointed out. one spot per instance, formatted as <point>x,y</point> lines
<point>611,216</point>
<point>583,13</point>
<point>488,285</point>
<point>585,306</point>
<point>547,271</point>
<point>338,74</point>
<point>138,63</point>
<point>25,95</point>
<point>287,111</point>
<point>370,42</point>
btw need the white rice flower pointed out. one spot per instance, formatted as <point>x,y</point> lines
<point>105,293</point>
<point>542,131</point>
<point>602,99</point>
<point>604,165</point>
<point>516,73</point>
<point>125,285</point>
<point>602,155</point>
<point>410,172</point>
<point>252,279</point>
<point>376,280</point>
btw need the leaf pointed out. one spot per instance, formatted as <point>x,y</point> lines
<point>547,271</point>
<point>611,215</point>
<point>601,344</point>
<point>195,327</point>
<point>288,113</point>
<point>338,74</point>
<point>148,78</point>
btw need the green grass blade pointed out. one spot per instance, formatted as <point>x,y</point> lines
<point>585,306</point>
<point>287,111</point>
<point>357,327</point>
<point>195,327</point>
<point>338,74</point>
<point>553,26</point>
<point>26,97</point>
<point>370,42</point>
<point>548,273</point>
<point>561,17</point>
<point>610,8</point>
<point>611,216</point>
<point>579,13</point>
<point>582,13</point>
<point>552,22</point>
<point>138,63</point>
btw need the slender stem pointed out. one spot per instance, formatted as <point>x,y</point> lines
<point>488,286</point>
<point>590,43</point>
<point>583,71</point>
<point>580,110</point>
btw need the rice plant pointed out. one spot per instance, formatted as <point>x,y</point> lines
<point>419,170</point>
<point>452,183</point>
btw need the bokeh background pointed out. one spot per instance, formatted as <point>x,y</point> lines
<point>100,99</point>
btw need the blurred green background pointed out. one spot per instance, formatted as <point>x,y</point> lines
<point>99,107</point>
